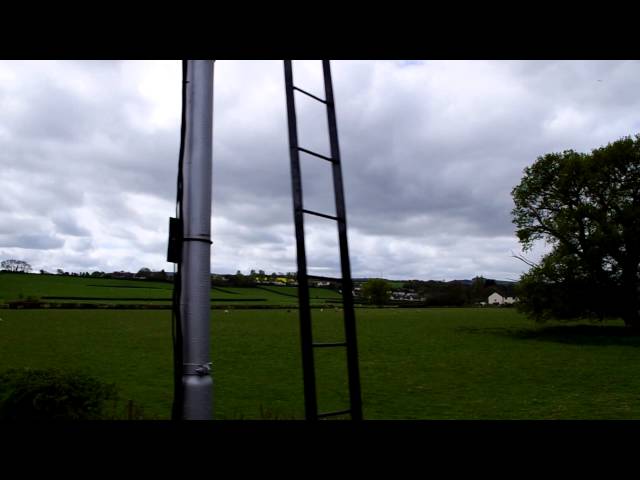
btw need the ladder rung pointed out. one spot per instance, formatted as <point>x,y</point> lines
<point>331,344</point>
<point>329,159</point>
<point>311,212</point>
<point>309,94</point>
<point>333,414</point>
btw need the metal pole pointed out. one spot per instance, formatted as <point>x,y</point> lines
<point>195,308</point>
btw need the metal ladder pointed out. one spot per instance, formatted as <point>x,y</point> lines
<point>308,346</point>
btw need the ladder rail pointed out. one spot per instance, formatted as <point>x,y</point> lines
<point>306,334</point>
<point>309,378</point>
<point>347,283</point>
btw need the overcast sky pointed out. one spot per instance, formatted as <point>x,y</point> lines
<point>431,151</point>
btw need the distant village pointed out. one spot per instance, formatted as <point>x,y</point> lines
<point>477,292</point>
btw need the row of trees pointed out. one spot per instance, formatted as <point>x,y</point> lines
<point>20,266</point>
<point>254,278</point>
<point>458,293</point>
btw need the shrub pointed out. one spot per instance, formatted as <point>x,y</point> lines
<point>52,394</point>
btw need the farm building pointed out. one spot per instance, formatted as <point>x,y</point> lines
<point>496,299</point>
<point>404,295</point>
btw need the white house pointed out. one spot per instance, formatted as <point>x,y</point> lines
<point>495,299</point>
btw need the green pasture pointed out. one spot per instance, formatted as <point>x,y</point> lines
<point>415,363</point>
<point>15,286</point>
<point>68,289</point>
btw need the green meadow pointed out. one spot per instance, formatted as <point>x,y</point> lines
<point>415,363</point>
<point>69,289</point>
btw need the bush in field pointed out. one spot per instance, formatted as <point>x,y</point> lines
<point>376,291</point>
<point>52,394</point>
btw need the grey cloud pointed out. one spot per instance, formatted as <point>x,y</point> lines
<point>31,241</point>
<point>430,150</point>
<point>54,114</point>
<point>68,225</point>
<point>10,223</point>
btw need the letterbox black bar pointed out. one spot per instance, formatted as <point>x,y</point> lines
<point>309,94</point>
<point>347,284</point>
<point>315,154</point>
<point>308,370</point>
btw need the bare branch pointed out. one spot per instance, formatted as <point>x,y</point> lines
<point>524,260</point>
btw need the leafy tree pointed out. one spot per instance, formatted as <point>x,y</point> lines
<point>161,275</point>
<point>17,266</point>
<point>445,294</point>
<point>377,291</point>
<point>587,208</point>
<point>53,394</point>
<point>240,280</point>
<point>478,290</point>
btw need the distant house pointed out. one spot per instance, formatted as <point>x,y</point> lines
<point>495,299</point>
<point>404,295</point>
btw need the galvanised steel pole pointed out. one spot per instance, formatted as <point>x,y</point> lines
<point>195,308</point>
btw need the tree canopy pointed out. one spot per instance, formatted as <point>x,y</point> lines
<point>15,266</point>
<point>377,291</point>
<point>587,208</point>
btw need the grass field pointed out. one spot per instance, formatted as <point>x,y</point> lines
<point>415,363</point>
<point>68,289</point>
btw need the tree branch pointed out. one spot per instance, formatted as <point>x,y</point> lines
<point>524,260</point>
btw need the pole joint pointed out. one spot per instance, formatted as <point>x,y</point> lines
<point>196,369</point>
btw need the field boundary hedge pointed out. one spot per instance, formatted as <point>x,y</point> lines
<point>125,286</point>
<point>277,293</point>
<point>224,291</point>
<point>328,299</point>
<point>145,299</point>
<point>143,306</point>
